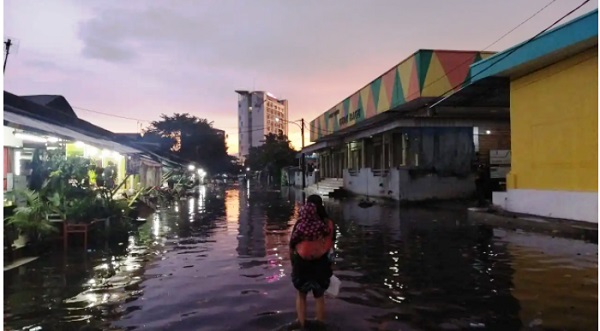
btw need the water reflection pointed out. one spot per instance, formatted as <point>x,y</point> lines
<point>57,291</point>
<point>219,261</point>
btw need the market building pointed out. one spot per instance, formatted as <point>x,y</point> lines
<point>385,140</point>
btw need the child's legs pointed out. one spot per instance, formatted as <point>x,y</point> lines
<point>301,307</point>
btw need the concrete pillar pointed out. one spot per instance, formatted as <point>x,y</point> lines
<point>332,164</point>
<point>348,155</point>
<point>391,151</point>
<point>363,154</point>
<point>382,156</point>
<point>321,164</point>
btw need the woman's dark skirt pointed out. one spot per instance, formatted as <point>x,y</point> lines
<point>311,275</point>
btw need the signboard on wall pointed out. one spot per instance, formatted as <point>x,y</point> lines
<point>350,118</point>
<point>499,172</point>
<point>500,157</point>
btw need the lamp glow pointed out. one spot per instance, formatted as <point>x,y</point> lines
<point>30,137</point>
<point>17,163</point>
<point>90,150</point>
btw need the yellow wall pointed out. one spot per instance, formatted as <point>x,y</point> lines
<point>554,126</point>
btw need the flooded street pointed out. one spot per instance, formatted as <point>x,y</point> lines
<point>220,262</point>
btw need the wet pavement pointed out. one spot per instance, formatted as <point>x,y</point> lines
<point>219,262</point>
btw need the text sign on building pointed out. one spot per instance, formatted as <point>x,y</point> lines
<point>499,172</point>
<point>500,157</point>
<point>351,117</point>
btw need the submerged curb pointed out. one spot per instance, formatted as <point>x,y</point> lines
<point>554,227</point>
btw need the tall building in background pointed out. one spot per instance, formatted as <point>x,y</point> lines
<point>259,113</point>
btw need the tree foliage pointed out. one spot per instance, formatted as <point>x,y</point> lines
<point>273,155</point>
<point>192,139</point>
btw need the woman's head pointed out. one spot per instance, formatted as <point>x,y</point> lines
<point>318,202</point>
<point>315,199</point>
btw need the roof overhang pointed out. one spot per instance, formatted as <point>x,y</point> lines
<point>404,122</point>
<point>488,93</point>
<point>23,121</point>
<point>488,97</point>
<point>401,110</point>
<point>555,45</point>
<point>423,75</point>
<point>318,146</point>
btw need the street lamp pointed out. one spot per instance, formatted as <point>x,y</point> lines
<point>303,159</point>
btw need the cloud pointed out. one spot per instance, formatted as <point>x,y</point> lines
<point>272,39</point>
<point>144,58</point>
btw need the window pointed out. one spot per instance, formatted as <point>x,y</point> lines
<point>476,138</point>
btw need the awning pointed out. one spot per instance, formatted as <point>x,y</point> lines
<point>63,132</point>
<point>320,145</point>
<point>150,163</point>
<point>483,97</point>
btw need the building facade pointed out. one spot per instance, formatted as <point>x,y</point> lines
<point>553,82</point>
<point>385,140</point>
<point>259,114</point>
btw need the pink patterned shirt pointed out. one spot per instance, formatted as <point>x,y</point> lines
<point>309,225</point>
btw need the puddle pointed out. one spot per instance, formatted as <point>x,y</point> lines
<point>220,263</point>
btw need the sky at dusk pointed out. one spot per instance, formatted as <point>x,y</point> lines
<point>139,59</point>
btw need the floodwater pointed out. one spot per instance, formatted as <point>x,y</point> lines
<point>219,262</point>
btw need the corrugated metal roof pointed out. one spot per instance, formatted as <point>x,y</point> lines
<point>64,132</point>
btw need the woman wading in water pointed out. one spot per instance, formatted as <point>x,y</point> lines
<point>311,254</point>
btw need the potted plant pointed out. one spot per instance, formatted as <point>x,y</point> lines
<point>31,220</point>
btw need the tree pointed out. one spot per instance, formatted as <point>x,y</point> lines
<point>193,140</point>
<point>234,166</point>
<point>272,156</point>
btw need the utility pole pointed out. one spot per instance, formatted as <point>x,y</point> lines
<point>7,45</point>
<point>303,160</point>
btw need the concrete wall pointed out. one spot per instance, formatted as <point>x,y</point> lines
<point>554,127</point>
<point>418,188</point>
<point>310,178</point>
<point>399,184</point>
<point>364,182</point>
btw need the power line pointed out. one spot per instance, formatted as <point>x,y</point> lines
<point>112,115</point>
<point>520,24</point>
<point>517,47</point>
<point>7,44</point>
<point>132,118</point>
<point>486,48</point>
